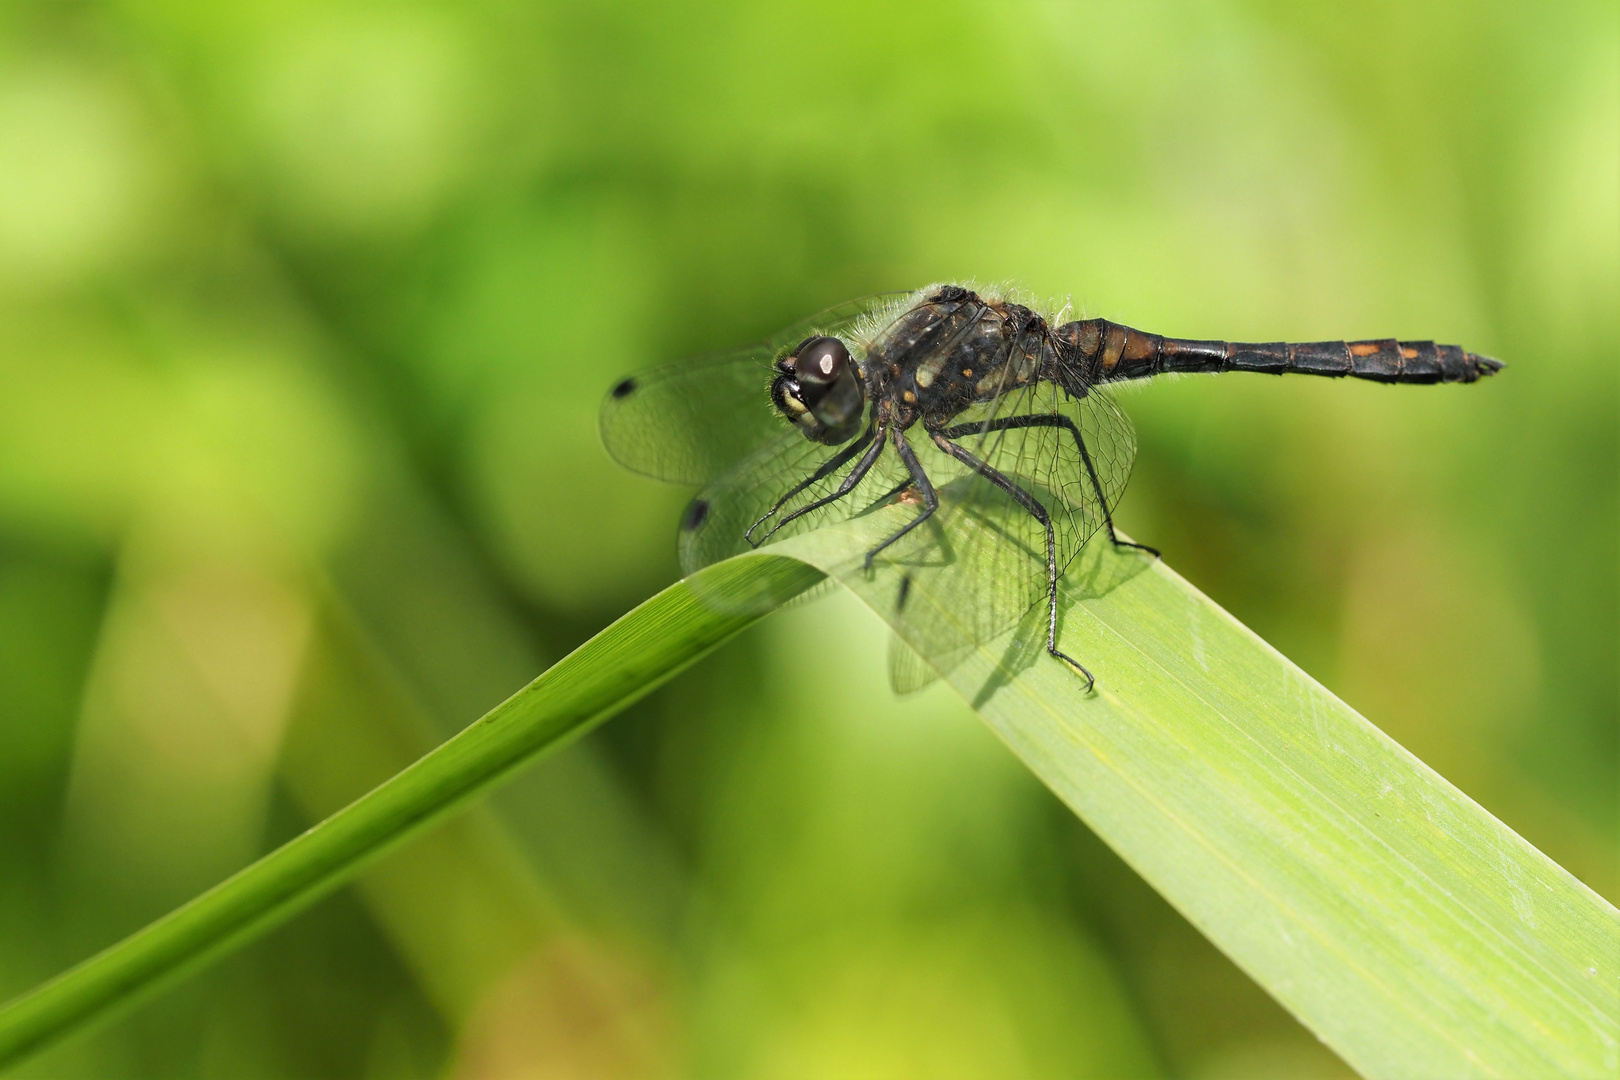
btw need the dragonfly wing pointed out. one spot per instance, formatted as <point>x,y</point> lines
<point>1040,438</point>
<point>981,567</point>
<point>690,421</point>
<point>687,422</point>
<point>908,672</point>
<point>716,523</point>
<point>854,320</point>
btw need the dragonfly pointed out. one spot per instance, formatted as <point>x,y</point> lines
<point>995,425</point>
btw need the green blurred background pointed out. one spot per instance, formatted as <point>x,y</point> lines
<point>305,314</point>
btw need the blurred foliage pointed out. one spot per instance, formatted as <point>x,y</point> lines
<point>305,312</point>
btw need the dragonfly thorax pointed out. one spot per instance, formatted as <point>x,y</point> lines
<point>952,352</point>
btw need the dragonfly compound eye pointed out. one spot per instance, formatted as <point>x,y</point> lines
<point>829,386</point>
<point>819,363</point>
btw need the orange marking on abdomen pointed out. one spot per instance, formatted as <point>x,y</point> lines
<point>1138,346</point>
<point>1113,346</point>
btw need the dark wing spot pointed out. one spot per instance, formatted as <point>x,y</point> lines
<point>905,593</point>
<point>625,389</point>
<point>695,516</point>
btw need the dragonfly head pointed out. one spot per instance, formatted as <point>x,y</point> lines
<point>819,388</point>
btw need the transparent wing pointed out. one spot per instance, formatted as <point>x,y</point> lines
<point>908,672</point>
<point>980,567</point>
<point>1041,439</point>
<point>841,319</point>
<point>690,421</point>
<point>717,523</point>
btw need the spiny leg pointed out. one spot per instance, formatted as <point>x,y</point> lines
<point>1007,423</point>
<point>925,488</point>
<point>836,462</point>
<point>856,475</point>
<point>1039,513</point>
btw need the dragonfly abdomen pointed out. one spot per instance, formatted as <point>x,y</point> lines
<point>1112,352</point>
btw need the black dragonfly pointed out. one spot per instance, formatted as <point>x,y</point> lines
<point>1006,440</point>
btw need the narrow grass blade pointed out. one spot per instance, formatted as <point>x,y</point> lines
<point>1409,929</point>
<point>604,675</point>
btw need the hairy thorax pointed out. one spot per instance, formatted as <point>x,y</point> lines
<point>951,351</point>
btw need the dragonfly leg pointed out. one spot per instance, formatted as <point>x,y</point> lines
<point>925,488</point>
<point>1008,423</point>
<point>833,464</point>
<point>856,475</point>
<point>1039,513</point>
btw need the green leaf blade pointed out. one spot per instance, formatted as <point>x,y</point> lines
<point>1410,930</point>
